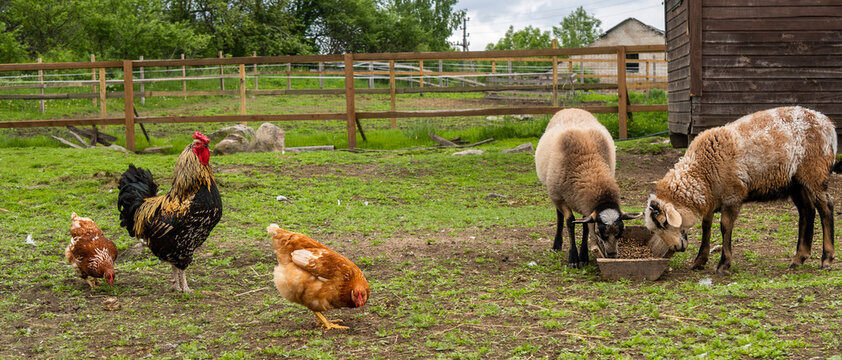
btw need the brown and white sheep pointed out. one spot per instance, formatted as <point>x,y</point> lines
<point>770,154</point>
<point>575,160</point>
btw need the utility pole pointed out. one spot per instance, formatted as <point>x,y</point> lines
<point>464,44</point>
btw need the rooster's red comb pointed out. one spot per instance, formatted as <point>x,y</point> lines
<point>200,137</point>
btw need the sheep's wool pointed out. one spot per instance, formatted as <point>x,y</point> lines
<point>609,216</point>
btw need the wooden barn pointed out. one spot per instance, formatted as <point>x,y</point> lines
<point>629,32</point>
<point>729,58</point>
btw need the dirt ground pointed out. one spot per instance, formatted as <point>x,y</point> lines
<point>503,250</point>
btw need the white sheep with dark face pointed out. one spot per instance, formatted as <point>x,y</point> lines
<point>575,160</point>
<point>771,154</point>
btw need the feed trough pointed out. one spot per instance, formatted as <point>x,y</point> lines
<point>640,256</point>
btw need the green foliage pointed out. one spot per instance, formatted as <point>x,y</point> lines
<point>117,29</point>
<point>527,38</point>
<point>10,49</point>
<point>578,29</point>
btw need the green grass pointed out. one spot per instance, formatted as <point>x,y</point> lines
<point>451,272</point>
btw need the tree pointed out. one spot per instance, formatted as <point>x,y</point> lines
<point>11,50</point>
<point>527,38</point>
<point>578,29</point>
<point>338,26</point>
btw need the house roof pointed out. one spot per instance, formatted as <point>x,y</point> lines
<point>650,27</point>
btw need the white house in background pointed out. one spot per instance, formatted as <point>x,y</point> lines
<point>629,32</point>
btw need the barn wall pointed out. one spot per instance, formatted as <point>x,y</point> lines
<point>678,65</point>
<point>763,54</point>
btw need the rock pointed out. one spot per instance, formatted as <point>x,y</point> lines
<point>232,144</point>
<point>111,304</point>
<point>269,138</point>
<point>523,117</point>
<point>492,118</point>
<point>240,129</point>
<point>527,147</point>
<point>468,152</point>
<point>117,147</point>
<point>491,196</point>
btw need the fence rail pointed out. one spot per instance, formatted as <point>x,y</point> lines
<point>349,73</point>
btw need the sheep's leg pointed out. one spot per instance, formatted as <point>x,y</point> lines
<point>825,207</point>
<point>704,249</point>
<point>726,223</point>
<point>573,253</point>
<point>806,219</point>
<point>583,247</point>
<point>559,232</point>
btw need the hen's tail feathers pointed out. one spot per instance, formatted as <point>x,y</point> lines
<point>136,185</point>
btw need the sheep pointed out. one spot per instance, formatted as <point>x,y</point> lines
<point>575,161</point>
<point>767,155</point>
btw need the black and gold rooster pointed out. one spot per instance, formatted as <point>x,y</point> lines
<point>175,224</point>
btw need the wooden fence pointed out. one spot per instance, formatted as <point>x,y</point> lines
<point>351,115</point>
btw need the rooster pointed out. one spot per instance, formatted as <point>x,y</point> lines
<point>90,252</point>
<point>313,275</point>
<point>175,224</point>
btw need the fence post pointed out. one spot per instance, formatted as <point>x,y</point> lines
<point>442,79</point>
<point>370,76</point>
<point>321,75</point>
<point>289,71</point>
<point>242,89</point>
<point>254,54</point>
<point>93,78</point>
<point>128,95</point>
<point>392,91</point>
<point>350,110</point>
<point>183,82</point>
<point>510,71</point>
<point>622,92</point>
<point>221,73</point>
<point>421,74</point>
<point>555,75</point>
<point>142,88</point>
<point>41,89</point>
<point>103,111</point>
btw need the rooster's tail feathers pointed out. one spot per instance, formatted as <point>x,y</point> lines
<point>136,185</point>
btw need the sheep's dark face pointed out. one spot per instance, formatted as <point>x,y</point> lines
<point>609,228</point>
<point>664,220</point>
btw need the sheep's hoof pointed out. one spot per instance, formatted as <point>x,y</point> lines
<point>826,266</point>
<point>698,264</point>
<point>575,265</point>
<point>722,270</point>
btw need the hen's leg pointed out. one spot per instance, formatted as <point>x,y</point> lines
<point>175,279</point>
<point>327,323</point>
<point>184,287</point>
<point>91,281</point>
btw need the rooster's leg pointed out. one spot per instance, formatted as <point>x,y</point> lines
<point>175,280</point>
<point>91,281</point>
<point>328,324</point>
<point>184,287</point>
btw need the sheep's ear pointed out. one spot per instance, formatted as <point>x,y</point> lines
<point>631,216</point>
<point>590,219</point>
<point>673,217</point>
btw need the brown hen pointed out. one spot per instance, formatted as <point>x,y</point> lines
<point>90,252</point>
<point>313,275</point>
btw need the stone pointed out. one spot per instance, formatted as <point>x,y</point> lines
<point>468,152</point>
<point>232,144</point>
<point>243,130</point>
<point>269,138</point>
<point>527,147</point>
<point>524,117</point>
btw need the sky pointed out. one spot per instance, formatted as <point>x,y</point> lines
<point>489,19</point>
